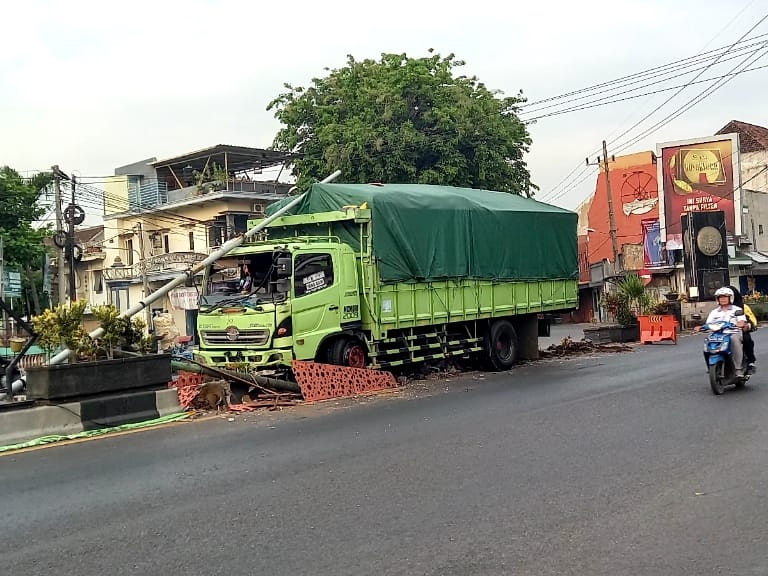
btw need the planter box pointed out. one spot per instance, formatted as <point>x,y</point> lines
<point>608,334</point>
<point>89,378</point>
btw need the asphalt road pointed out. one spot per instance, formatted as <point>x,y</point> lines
<point>612,465</point>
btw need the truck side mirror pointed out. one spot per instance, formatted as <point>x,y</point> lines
<point>284,267</point>
<point>283,285</point>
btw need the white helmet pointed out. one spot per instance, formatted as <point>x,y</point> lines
<point>724,291</point>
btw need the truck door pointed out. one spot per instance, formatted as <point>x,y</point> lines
<point>315,301</point>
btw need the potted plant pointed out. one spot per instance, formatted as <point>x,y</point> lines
<point>118,360</point>
<point>629,301</point>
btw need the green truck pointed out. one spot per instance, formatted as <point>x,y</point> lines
<point>382,275</point>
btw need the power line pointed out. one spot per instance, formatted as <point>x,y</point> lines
<point>693,101</point>
<point>657,79</point>
<point>558,191</point>
<point>605,101</point>
<point>688,61</point>
<point>657,108</point>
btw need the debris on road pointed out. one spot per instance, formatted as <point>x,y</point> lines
<point>570,347</point>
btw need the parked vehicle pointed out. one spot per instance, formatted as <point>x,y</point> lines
<point>385,275</point>
<point>719,358</point>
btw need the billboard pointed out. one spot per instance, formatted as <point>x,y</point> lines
<point>652,253</point>
<point>698,175</point>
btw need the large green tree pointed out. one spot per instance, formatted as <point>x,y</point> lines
<point>405,120</point>
<point>20,207</point>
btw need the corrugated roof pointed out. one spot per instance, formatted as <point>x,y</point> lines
<point>756,257</point>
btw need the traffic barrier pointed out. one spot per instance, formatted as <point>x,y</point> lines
<point>658,328</point>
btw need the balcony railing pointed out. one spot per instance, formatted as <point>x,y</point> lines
<point>147,195</point>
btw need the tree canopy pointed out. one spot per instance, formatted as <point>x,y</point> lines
<point>19,209</point>
<point>23,246</point>
<point>405,120</point>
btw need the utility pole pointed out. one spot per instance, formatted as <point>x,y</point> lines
<point>144,280</point>
<point>71,246</point>
<point>611,215</point>
<point>2,291</point>
<point>59,234</point>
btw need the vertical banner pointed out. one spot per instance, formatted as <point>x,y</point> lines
<point>652,252</point>
<point>698,175</point>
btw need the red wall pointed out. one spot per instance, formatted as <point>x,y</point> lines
<point>634,186</point>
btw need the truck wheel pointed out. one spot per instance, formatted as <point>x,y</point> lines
<point>350,353</point>
<point>501,346</point>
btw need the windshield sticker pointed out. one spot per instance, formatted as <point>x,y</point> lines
<point>314,282</point>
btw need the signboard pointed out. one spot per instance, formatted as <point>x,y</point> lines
<point>11,283</point>
<point>652,253</point>
<point>698,175</point>
<point>184,298</point>
<point>164,261</point>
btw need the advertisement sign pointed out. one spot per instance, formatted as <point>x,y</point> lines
<point>11,283</point>
<point>653,255</point>
<point>699,175</point>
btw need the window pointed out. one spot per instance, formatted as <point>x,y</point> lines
<point>760,228</point>
<point>216,231</point>
<point>129,249</point>
<point>157,241</point>
<point>192,241</point>
<point>312,273</point>
<point>98,282</point>
<point>167,243</point>
<point>240,224</point>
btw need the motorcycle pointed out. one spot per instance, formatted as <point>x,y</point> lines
<point>719,358</point>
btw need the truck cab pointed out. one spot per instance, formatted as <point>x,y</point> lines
<point>269,303</point>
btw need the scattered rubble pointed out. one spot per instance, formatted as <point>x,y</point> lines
<point>225,392</point>
<point>570,347</point>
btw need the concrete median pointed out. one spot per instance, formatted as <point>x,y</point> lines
<point>22,424</point>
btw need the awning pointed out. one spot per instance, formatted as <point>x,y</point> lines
<point>751,255</point>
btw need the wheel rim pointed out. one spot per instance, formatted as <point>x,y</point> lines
<point>504,348</point>
<point>356,357</point>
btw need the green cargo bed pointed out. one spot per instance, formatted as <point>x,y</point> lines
<point>433,233</point>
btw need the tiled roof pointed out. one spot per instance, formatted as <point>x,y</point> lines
<point>752,138</point>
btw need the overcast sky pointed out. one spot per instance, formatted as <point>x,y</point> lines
<point>92,85</point>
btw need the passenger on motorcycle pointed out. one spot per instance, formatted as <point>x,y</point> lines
<point>749,343</point>
<point>727,312</point>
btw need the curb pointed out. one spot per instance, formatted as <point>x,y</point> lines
<point>24,424</point>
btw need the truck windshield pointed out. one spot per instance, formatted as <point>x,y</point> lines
<point>251,276</point>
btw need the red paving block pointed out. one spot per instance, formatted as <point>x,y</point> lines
<point>323,381</point>
<point>188,386</point>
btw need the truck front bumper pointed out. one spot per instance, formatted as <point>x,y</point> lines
<point>252,359</point>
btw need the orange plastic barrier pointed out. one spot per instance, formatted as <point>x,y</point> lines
<point>658,328</point>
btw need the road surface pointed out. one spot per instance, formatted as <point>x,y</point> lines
<point>611,465</point>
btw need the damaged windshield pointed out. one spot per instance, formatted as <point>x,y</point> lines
<point>247,279</point>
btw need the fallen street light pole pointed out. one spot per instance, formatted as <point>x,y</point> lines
<point>189,274</point>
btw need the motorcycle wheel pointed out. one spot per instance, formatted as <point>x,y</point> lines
<point>716,379</point>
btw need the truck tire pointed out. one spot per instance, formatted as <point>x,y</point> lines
<point>501,346</point>
<point>348,352</point>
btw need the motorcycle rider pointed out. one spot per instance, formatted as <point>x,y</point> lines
<point>749,343</point>
<point>727,312</point>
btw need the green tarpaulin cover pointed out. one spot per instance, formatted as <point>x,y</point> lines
<point>427,233</point>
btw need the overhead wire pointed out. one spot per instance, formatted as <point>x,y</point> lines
<point>652,80</point>
<point>605,102</point>
<point>564,187</point>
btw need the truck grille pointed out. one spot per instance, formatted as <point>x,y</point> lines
<point>256,337</point>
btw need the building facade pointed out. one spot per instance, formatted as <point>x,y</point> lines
<point>163,217</point>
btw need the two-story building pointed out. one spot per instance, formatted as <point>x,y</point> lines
<point>163,216</point>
